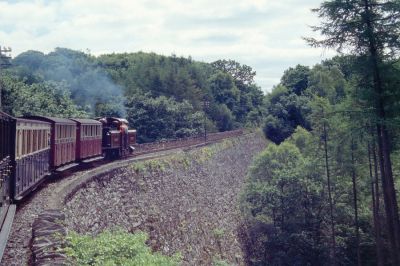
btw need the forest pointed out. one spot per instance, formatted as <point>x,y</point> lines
<point>325,190</point>
<point>163,97</point>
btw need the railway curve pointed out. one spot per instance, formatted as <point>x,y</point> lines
<point>53,193</point>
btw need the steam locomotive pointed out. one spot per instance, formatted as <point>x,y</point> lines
<point>33,147</point>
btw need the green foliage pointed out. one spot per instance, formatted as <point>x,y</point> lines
<point>163,118</point>
<point>280,201</point>
<point>218,233</point>
<point>114,248</point>
<point>48,98</point>
<point>89,85</point>
<point>223,117</point>
<point>285,112</point>
<point>243,75</point>
<point>296,79</point>
<point>224,89</point>
<point>220,262</point>
<point>161,95</point>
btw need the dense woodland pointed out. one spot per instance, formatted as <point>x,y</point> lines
<point>162,96</point>
<point>325,190</point>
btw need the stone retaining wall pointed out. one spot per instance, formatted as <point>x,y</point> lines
<point>48,238</point>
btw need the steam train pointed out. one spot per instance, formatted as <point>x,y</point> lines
<point>33,147</point>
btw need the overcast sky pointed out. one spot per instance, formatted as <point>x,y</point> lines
<point>264,34</point>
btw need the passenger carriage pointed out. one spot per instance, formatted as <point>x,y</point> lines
<point>62,142</point>
<point>7,156</point>
<point>7,140</point>
<point>88,139</point>
<point>32,153</point>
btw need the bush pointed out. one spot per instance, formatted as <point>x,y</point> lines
<point>114,248</point>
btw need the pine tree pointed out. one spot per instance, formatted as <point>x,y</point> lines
<point>369,28</point>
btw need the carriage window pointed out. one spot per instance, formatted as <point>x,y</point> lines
<point>45,140</point>
<point>34,141</point>
<point>21,142</point>
<point>39,137</point>
<point>24,142</point>
<point>29,133</point>
<point>37,146</point>
<point>17,144</point>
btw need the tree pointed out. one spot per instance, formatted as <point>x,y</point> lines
<point>224,89</point>
<point>286,111</point>
<point>296,79</point>
<point>48,98</point>
<point>242,74</point>
<point>162,118</point>
<point>369,28</point>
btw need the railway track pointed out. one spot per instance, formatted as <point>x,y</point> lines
<point>70,184</point>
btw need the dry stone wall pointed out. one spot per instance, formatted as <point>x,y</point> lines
<point>187,203</point>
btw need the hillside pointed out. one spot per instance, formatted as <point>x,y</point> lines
<point>161,96</point>
<point>187,203</point>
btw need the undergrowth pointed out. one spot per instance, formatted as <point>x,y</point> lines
<point>183,159</point>
<point>112,248</point>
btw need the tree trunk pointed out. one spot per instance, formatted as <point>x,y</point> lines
<point>389,193</point>
<point>355,203</point>
<point>375,204</point>
<point>333,236</point>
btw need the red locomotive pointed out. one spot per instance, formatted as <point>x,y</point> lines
<point>117,140</point>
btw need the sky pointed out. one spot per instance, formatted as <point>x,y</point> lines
<point>264,34</point>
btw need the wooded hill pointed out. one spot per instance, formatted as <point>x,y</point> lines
<point>326,193</point>
<point>162,96</point>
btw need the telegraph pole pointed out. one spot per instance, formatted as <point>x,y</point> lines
<point>4,62</point>
<point>205,106</point>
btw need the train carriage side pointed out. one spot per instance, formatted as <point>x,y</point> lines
<point>62,142</point>
<point>7,158</point>
<point>7,170</point>
<point>32,153</point>
<point>88,139</point>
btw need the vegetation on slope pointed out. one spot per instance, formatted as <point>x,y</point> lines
<point>161,96</point>
<point>326,195</point>
<point>115,248</point>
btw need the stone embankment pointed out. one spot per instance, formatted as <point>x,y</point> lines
<point>187,202</point>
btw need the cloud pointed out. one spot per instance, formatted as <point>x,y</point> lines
<point>264,34</point>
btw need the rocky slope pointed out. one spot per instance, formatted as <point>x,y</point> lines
<point>187,202</point>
